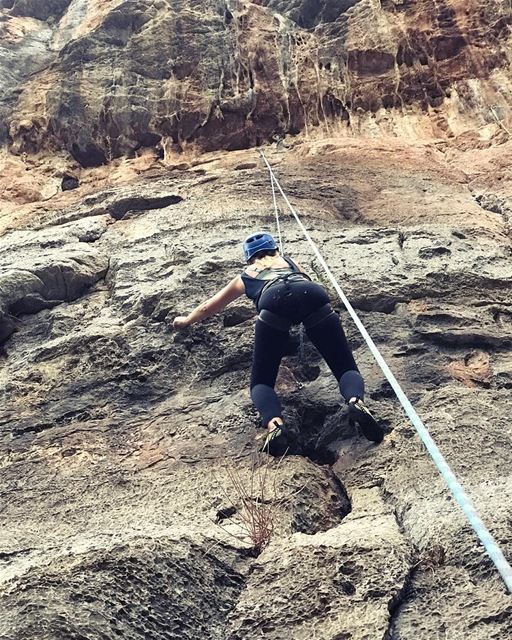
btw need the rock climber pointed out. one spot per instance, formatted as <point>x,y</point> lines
<point>285,295</point>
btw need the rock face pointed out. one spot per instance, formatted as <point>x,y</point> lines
<point>38,10</point>
<point>134,501</point>
<point>128,450</point>
<point>120,75</point>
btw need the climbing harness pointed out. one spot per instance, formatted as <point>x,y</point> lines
<point>276,275</point>
<point>462,498</point>
<point>283,279</point>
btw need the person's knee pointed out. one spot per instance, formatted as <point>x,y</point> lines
<point>258,390</point>
<point>351,384</point>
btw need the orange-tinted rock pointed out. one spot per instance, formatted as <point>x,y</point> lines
<point>474,369</point>
<point>126,76</point>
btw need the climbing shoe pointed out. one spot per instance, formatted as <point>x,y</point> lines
<point>359,412</point>
<point>278,441</point>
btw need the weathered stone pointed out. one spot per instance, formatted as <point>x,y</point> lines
<point>69,182</point>
<point>332,585</point>
<point>124,429</point>
<point>129,74</point>
<point>45,277</point>
<point>131,589</point>
<point>129,450</point>
<point>37,9</point>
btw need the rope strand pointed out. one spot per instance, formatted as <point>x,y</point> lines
<point>277,217</point>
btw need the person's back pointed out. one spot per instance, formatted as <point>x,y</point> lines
<point>266,270</point>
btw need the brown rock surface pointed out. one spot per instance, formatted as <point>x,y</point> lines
<point>117,76</point>
<point>121,438</point>
<point>127,450</point>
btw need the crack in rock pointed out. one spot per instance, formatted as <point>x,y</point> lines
<point>121,207</point>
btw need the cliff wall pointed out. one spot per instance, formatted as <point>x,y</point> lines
<point>103,79</point>
<point>128,451</point>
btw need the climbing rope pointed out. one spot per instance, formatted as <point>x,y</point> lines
<point>276,210</point>
<point>462,498</point>
<point>278,225</point>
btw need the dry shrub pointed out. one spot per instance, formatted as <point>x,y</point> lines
<point>257,502</point>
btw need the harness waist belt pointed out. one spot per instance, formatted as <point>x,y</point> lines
<point>283,324</point>
<point>289,277</point>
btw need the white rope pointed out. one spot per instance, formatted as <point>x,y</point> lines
<point>277,217</point>
<point>464,501</point>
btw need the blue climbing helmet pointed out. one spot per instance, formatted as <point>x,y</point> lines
<point>259,241</point>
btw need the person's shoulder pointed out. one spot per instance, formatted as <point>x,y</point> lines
<point>250,271</point>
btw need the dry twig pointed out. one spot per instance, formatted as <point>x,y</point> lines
<point>258,502</point>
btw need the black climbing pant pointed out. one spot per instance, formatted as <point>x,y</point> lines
<point>296,301</point>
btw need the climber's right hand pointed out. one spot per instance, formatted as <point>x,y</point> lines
<point>180,322</point>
